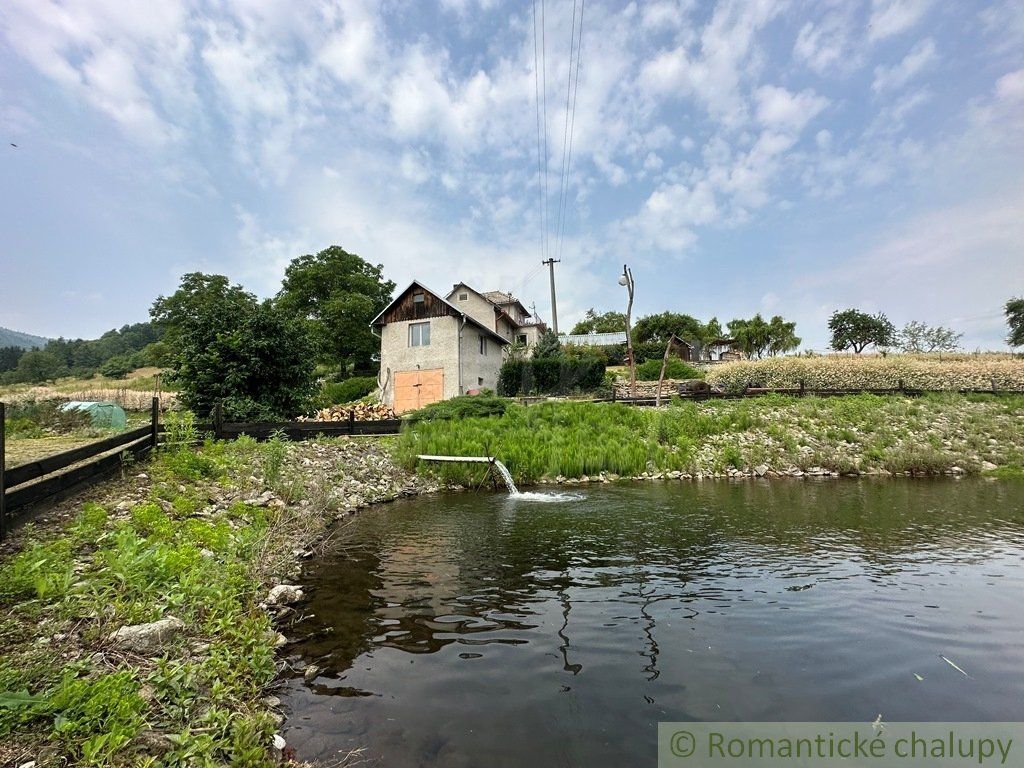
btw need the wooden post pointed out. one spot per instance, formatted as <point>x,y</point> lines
<point>3,470</point>
<point>218,420</point>
<point>801,387</point>
<point>154,424</point>
<point>664,364</point>
<point>351,422</point>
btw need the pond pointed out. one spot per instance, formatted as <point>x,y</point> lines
<point>466,629</point>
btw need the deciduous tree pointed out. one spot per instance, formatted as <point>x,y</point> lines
<point>1015,319</point>
<point>853,329</point>
<point>920,337</point>
<point>338,294</point>
<point>607,322</point>
<point>226,346</point>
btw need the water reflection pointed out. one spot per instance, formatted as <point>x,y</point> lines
<point>568,630</point>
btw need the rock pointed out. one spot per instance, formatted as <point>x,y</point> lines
<point>311,672</point>
<point>153,742</point>
<point>277,746</point>
<point>272,701</point>
<point>988,466</point>
<point>956,470</point>
<point>761,470</point>
<point>29,764</point>
<point>142,638</point>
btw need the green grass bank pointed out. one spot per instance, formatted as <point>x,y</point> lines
<point>771,435</point>
<point>195,538</point>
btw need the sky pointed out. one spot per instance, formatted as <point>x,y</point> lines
<point>771,156</point>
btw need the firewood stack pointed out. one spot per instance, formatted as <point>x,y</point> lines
<point>356,411</point>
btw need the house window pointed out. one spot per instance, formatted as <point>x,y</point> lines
<point>483,345</point>
<point>479,381</point>
<point>463,297</point>
<point>418,298</point>
<point>419,334</point>
<point>521,339</point>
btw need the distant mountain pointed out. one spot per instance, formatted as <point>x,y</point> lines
<point>9,338</point>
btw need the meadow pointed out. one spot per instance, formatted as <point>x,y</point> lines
<point>859,434</point>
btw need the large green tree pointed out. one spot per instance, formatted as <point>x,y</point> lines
<point>606,322</point>
<point>225,346</point>
<point>338,294</point>
<point>1015,319</point>
<point>659,328</point>
<point>856,330</point>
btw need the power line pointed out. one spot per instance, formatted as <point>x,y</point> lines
<point>560,231</point>
<point>540,171</point>
<point>565,129</point>
<point>544,96</point>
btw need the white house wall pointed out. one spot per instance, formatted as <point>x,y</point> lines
<point>443,352</point>
<point>476,366</point>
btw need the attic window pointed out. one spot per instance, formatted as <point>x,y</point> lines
<point>417,298</point>
<point>463,297</point>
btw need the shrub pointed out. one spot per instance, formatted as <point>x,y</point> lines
<point>675,369</point>
<point>340,392</point>
<point>118,367</point>
<point>463,407</point>
<point>557,375</point>
<point>29,417</point>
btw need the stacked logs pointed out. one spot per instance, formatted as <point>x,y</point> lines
<point>356,411</point>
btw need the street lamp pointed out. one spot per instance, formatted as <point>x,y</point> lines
<point>626,280</point>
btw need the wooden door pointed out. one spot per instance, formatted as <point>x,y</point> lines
<point>415,389</point>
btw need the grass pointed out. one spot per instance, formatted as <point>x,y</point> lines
<point>64,693</point>
<point>852,434</point>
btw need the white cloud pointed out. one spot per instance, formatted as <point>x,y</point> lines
<point>898,75</point>
<point>830,42</point>
<point>891,17</point>
<point>780,109</point>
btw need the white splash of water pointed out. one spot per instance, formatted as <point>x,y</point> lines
<point>507,477</point>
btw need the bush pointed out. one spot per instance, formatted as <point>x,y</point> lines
<point>29,418</point>
<point>118,367</point>
<point>340,392</point>
<point>675,369</point>
<point>557,375</point>
<point>462,407</point>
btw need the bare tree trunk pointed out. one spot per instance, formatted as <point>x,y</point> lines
<point>664,364</point>
<point>629,332</point>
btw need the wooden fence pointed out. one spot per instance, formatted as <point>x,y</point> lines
<point>43,479</point>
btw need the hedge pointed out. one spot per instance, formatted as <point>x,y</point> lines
<point>842,372</point>
<point>550,376</point>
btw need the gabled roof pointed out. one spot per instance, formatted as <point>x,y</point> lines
<point>376,322</point>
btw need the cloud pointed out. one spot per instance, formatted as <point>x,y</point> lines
<point>780,109</point>
<point>895,77</point>
<point>892,17</point>
<point>831,41</point>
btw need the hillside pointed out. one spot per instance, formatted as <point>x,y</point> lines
<point>9,338</point>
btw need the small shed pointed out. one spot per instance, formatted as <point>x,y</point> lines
<point>108,415</point>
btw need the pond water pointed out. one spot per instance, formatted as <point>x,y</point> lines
<point>467,630</point>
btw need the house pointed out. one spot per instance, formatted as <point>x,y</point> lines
<point>435,347</point>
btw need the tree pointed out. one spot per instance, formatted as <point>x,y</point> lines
<point>548,346</point>
<point>854,329</point>
<point>338,294</point>
<point>919,337</point>
<point>608,322</point>
<point>758,338</point>
<point>9,357</point>
<point>1015,319</point>
<point>659,328</point>
<point>225,346</point>
<point>782,336</point>
<point>39,365</point>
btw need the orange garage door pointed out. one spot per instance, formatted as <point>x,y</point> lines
<point>414,389</point>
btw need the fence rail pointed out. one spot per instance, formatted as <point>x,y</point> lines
<point>43,479</point>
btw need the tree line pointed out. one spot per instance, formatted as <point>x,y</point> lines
<point>849,329</point>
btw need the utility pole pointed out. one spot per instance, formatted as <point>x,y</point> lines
<point>554,307</point>
<point>626,280</point>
